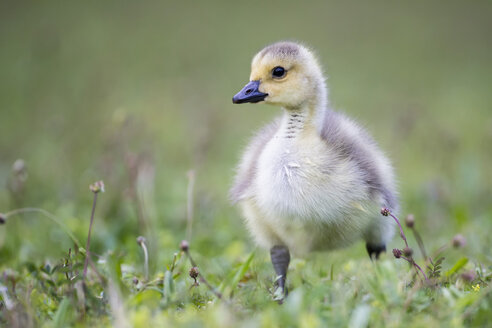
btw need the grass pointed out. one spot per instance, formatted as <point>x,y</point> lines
<point>140,97</point>
<point>352,292</point>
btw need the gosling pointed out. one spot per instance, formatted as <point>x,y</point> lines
<point>311,180</point>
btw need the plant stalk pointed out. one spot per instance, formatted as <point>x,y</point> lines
<point>87,246</point>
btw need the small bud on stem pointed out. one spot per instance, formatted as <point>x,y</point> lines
<point>184,246</point>
<point>459,241</point>
<point>97,186</point>
<point>194,273</point>
<point>408,252</point>
<point>410,221</point>
<point>385,211</point>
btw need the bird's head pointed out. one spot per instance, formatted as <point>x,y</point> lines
<point>286,74</point>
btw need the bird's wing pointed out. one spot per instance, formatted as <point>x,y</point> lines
<point>352,142</point>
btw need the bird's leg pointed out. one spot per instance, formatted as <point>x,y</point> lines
<point>374,250</point>
<point>280,259</point>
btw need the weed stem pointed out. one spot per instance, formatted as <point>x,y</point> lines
<point>401,229</point>
<point>87,252</point>
<point>420,243</point>
<point>141,242</point>
<point>416,266</point>
<point>386,212</point>
<point>189,205</point>
<point>202,278</point>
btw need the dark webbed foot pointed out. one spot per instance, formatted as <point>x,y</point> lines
<point>280,259</point>
<point>375,250</point>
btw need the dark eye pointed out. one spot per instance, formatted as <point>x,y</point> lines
<point>278,72</point>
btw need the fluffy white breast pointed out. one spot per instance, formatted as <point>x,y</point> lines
<point>301,178</point>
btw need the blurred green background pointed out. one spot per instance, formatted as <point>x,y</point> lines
<point>139,93</point>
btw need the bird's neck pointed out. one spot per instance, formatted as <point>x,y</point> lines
<point>304,119</point>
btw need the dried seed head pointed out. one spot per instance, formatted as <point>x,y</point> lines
<point>410,221</point>
<point>468,276</point>
<point>184,246</point>
<point>194,272</point>
<point>407,251</point>
<point>385,211</point>
<point>3,218</point>
<point>459,241</point>
<point>97,186</point>
<point>397,253</point>
<point>140,240</point>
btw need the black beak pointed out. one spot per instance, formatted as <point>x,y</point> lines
<point>249,94</point>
